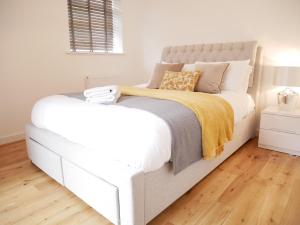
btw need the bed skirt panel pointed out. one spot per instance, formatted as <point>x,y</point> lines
<point>135,197</point>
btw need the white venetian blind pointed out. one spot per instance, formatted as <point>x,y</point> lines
<point>95,26</point>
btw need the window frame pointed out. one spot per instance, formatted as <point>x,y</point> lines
<point>119,33</point>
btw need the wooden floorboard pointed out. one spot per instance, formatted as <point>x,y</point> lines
<point>253,187</point>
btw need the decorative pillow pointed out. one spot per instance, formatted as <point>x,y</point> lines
<point>184,81</point>
<point>159,72</point>
<point>236,77</point>
<point>211,76</point>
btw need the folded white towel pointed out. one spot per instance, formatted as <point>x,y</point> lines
<point>106,95</point>
<point>112,89</point>
<point>107,99</point>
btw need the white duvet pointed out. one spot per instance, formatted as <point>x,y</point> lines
<point>130,136</point>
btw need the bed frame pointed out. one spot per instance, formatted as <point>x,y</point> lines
<point>126,196</point>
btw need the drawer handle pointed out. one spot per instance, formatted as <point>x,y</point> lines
<point>283,131</point>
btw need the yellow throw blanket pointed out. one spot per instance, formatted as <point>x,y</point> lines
<point>214,114</point>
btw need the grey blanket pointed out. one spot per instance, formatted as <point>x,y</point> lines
<point>184,126</point>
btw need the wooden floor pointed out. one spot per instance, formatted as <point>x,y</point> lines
<point>254,186</point>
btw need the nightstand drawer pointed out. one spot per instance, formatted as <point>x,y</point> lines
<point>280,123</point>
<point>279,140</point>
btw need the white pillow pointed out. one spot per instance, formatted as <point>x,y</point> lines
<point>189,68</point>
<point>236,77</point>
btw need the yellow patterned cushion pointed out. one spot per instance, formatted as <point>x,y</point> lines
<point>184,81</point>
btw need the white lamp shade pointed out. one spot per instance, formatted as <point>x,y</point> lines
<point>287,76</point>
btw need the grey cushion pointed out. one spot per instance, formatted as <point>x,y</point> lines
<point>159,72</point>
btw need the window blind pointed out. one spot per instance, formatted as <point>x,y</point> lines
<point>95,26</point>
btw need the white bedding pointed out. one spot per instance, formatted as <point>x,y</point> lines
<point>133,137</point>
<point>242,103</point>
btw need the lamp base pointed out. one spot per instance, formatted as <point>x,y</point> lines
<point>287,99</point>
<point>286,107</point>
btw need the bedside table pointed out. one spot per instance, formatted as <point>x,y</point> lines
<point>280,130</point>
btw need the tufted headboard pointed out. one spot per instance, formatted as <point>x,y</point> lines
<point>211,53</point>
<point>215,52</point>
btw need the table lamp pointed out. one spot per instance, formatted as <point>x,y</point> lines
<point>287,77</point>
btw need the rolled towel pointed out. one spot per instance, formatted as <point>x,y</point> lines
<point>103,95</point>
<point>107,100</point>
<point>98,91</point>
<point>104,98</point>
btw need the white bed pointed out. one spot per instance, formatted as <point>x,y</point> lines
<point>135,194</point>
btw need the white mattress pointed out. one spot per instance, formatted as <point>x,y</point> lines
<point>242,103</point>
<point>132,137</point>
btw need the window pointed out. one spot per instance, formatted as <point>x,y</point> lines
<point>95,26</point>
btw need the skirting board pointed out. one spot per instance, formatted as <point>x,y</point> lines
<point>12,138</point>
<point>278,149</point>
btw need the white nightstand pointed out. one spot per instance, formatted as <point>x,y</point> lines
<point>280,130</point>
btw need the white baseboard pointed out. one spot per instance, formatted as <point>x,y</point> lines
<point>12,138</point>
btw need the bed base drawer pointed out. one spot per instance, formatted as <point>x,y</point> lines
<point>45,159</point>
<point>97,193</point>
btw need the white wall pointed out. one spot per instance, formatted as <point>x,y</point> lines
<point>274,23</point>
<point>33,61</point>
<point>34,37</point>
